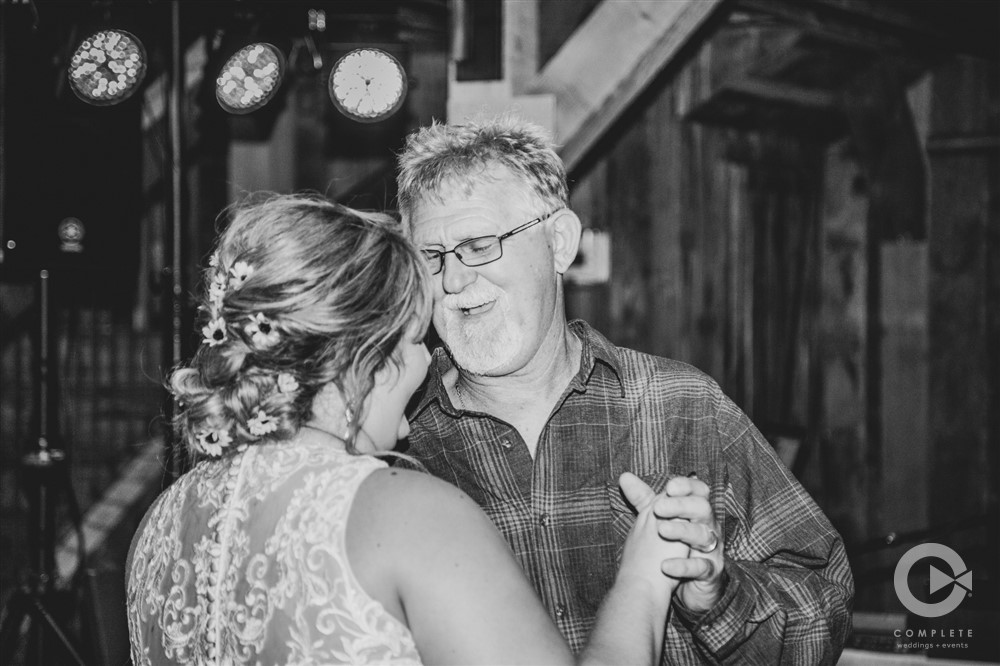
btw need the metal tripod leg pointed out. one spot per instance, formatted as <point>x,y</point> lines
<point>45,477</point>
<point>26,604</point>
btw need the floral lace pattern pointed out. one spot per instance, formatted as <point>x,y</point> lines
<point>243,560</point>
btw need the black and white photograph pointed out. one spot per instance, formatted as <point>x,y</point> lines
<point>500,332</point>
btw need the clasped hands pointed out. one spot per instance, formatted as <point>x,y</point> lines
<point>678,527</point>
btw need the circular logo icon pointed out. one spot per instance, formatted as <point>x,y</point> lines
<point>960,579</point>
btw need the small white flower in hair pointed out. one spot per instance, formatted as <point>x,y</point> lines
<point>262,424</point>
<point>241,272</point>
<point>262,331</point>
<point>287,383</point>
<point>214,332</point>
<point>214,259</point>
<point>217,290</point>
<point>213,441</point>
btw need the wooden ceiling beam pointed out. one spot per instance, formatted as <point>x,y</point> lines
<point>611,59</point>
<point>781,93</point>
<point>857,23</point>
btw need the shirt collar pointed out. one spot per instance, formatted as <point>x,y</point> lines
<point>433,389</point>
<point>597,351</point>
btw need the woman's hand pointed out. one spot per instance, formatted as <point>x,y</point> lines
<point>645,550</point>
<point>640,598</point>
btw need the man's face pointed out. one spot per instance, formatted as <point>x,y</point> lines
<point>494,317</point>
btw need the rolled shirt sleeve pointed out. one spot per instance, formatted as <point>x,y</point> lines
<point>788,590</point>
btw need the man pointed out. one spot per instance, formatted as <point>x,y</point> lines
<point>535,417</point>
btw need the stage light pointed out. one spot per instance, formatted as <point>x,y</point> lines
<point>367,85</point>
<point>250,78</point>
<point>107,67</point>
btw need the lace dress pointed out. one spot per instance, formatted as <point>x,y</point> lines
<point>243,560</point>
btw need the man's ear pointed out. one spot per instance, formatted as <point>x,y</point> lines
<point>565,234</point>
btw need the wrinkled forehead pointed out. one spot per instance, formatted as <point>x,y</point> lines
<point>495,184</point>
<point>493,180</point>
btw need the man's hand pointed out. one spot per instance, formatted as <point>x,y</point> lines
<point>646,553</point>
<point>686,516</point>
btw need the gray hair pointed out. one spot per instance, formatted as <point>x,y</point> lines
<point>446,155</point>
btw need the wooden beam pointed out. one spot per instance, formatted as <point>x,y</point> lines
<point>121,507</point>
<point>963,143</point>
<point>923,28</point>
<point>851,21</point>
<point>783,93</point>
<point>611,59</point>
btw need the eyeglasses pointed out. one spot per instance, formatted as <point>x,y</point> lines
<point>478,251</point>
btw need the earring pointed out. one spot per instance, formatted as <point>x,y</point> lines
<point>349,415</point>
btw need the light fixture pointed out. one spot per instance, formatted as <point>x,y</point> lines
<point>250,78</point>
<point>107,67</point>
<point>367,85</point>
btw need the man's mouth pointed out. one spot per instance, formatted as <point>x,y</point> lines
<point>478,309</point>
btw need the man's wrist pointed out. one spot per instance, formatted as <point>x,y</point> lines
<point>694,616</point>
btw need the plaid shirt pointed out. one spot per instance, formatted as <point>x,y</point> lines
<point>789,587</point>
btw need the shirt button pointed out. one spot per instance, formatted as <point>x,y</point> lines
<point>560,610</point>
<point>505,443</point>
<point>544,520</point>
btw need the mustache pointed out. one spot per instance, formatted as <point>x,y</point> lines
<point>472,296</point>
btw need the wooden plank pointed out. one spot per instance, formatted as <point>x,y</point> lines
<point>771,92</point>
<point>853,23</point>
<point>667,210</point>
<point>905,441</point>
<point>964,253</point>
<point>593,89</point>
<point>959,385</point>
<point>963,144</point>
<point>739,294</point>
<point>523,33</point>
<point>127,498</point>
<point>589,201</point>
<point>837,473</point>
<point>628,186</point>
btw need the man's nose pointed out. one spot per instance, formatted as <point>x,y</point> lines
<point>456,276</point>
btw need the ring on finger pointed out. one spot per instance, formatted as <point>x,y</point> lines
<point>712,545</point>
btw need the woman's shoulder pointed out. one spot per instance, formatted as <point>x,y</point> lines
<point>401,524</point>
<point>416,495</point>
<point>414,513</point>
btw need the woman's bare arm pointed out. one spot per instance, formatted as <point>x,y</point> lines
<point>429,554</point>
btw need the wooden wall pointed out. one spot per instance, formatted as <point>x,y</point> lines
<point>749,254</point>
<point>964,289</point>
<point>715,237</point>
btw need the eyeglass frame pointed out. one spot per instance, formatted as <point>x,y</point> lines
<point>500,239</point>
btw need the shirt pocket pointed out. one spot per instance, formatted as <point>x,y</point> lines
<point>622,513</point>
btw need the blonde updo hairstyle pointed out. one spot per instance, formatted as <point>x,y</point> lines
<point>301,292</point>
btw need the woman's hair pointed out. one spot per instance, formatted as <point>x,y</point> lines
<point>300,292</point>
<point>441,155</point>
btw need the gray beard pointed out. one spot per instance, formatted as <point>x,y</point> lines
<point>478,348</point>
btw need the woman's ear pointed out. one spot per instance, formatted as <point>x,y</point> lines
<point>565,232</point>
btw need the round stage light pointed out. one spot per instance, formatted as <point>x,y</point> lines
<point>250,78</point>
<point>367,85</point>
<point>107,67</point>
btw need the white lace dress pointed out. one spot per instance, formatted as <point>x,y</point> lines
<point>243,561</point>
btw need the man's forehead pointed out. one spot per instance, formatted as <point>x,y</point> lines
<point>497,181</point>
<point>441,219</point>
<point>503,194</point>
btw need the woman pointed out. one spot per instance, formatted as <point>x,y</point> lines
<point>291,541</point>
